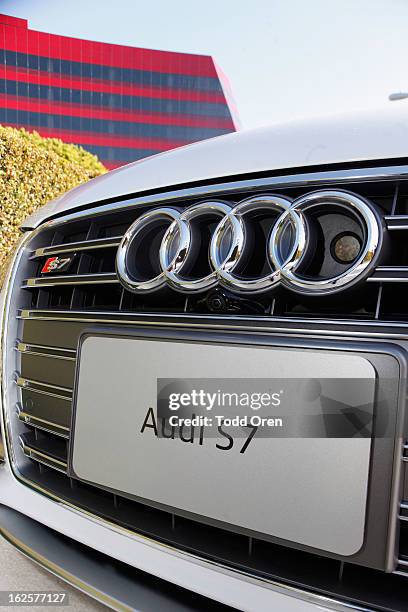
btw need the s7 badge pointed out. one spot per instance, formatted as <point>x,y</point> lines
<point>57,264</point>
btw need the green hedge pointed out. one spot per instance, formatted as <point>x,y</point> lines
<point>33,171</point>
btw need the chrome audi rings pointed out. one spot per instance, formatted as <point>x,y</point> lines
<point>214,243</point>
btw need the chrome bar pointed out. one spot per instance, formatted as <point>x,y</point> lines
<point>73,279</point>
<point>43,424</point>
<point>46,351</point>
<point>70,247</point>
<point>293,325</point>
<point>36,455</point>
<point>389,274</point>
<point>140,318</point>
<point>396,222</point>
<point>44,388</point>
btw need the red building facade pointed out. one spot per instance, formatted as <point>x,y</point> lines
<point>121,103</point>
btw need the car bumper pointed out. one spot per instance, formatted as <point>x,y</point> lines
<point>42,528</point>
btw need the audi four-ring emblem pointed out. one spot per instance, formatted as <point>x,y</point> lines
<point>145,264</point>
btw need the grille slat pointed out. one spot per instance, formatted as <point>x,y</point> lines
<point>46,351</point>
<point>396,222</point>
<point>37,386</point>
<point>338,327</point>
<point>389,274</point>
<point>69,280</point>
<point>38,423</point>
<point>82,246</point>
<point>48,452</point>
<point>402,568</point>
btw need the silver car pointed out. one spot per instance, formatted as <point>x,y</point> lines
<point>271,263</point>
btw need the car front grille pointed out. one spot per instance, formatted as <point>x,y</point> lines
<point>53,310</point>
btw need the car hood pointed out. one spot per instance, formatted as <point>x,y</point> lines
<point>374,135</point>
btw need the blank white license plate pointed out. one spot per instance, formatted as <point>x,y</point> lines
<point>311,491</point>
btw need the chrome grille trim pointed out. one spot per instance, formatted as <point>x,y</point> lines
<point>268,324</point>
<point>46,351</point>
<point>43,424</point>
<point>95,316</point>
<point>44,388</point>
<point>72,279</point>
<point>396,222</point>
<point>402,568</point>
<point>85,245</point>
<point>43,458</point>
<point>389,274</point>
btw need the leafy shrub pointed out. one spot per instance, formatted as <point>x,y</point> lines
<point>33,171</point>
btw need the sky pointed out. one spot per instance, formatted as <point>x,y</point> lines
<point>285,59</point>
